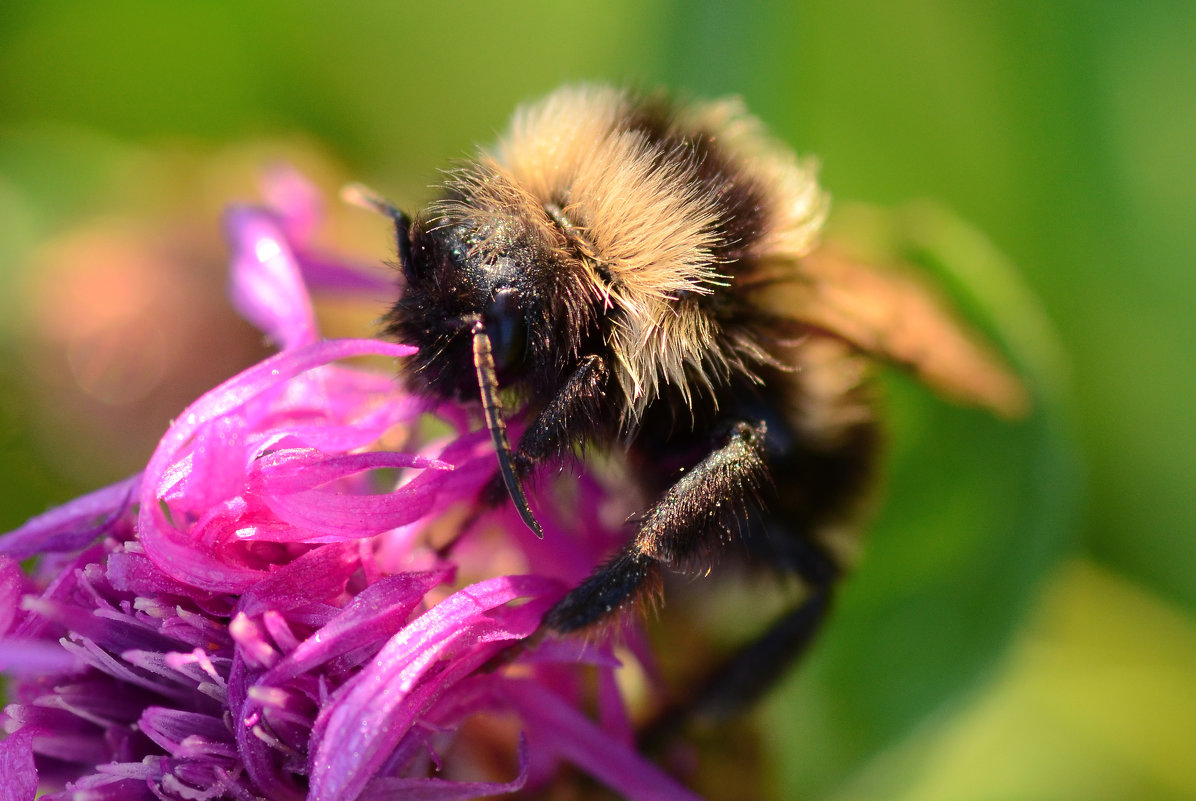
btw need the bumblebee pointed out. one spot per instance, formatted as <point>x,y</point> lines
<point>641,275</point>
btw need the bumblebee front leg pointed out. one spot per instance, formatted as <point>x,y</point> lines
<point>697,514</point>
<point>571,416</point>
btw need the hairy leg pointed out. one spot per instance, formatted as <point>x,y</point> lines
<point>699,513</point>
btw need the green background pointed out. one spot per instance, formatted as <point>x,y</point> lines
<point>1021,623</point>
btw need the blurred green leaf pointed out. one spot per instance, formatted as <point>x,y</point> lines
<point>1097,700</point>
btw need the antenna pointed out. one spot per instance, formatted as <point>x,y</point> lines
<point>362,196</point>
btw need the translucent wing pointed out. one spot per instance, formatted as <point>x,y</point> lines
<point>892,315</point>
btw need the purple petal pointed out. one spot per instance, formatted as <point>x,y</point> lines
<point>399,789</point>
<point>265,284</point>
<point>73,525</point>
<point>196,628</point>
<point>317,575</point>
<point>12,586</point>
<point>59,734</point>
<point>206,671</point>
<point>324,273</point>
<point>612,712</point>
<point>341,433</point>
<point>219,455</point>
<point>292,470</point>
<point>155,663</point>
<point>572,651</point>
<point>374,615</point>
<point>63,584</point>
<point>87,651</point>
<point>198,780</point>
<point>102,787</point>
<point>133,572</point>
<point>35,657</point>
<point>96,699</point>
<point>297,202</point>
<point>328,516</point>
<point>556,726</point>
<point>111,629</point>
<point>299,207</point>
<point>282,479</point>
<point>18,774</point>
<point>361,726</point>
<point>252,643</point>
<point>176,731</point>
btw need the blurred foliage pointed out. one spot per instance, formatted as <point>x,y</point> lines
<point>1021,622</point>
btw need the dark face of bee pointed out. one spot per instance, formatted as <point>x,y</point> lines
<point>460,272</point>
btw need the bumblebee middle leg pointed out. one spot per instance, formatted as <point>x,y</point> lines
<point>698,513</point>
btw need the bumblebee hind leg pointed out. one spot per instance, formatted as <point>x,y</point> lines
<point>705,509</point>
<point>819,481</point>
<point>698,513</point>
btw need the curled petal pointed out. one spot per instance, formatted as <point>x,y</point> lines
<point>327,516</point>
<point>287,471</point>
<point>266,286</point>
<point>285,480</point>
<point>164,543</point>
<point>347,432</point>
<point>218,454</point>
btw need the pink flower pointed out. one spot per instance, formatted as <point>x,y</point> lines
<point>261,612</point>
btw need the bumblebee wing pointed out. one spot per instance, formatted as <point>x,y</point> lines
<point>893,316</point>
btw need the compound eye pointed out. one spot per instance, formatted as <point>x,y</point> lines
<point>507,330</point>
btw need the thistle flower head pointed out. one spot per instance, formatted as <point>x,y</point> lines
<point>260,613</point>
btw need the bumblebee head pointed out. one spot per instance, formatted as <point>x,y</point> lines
<point>482,300</point>
<point>452,277</point>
